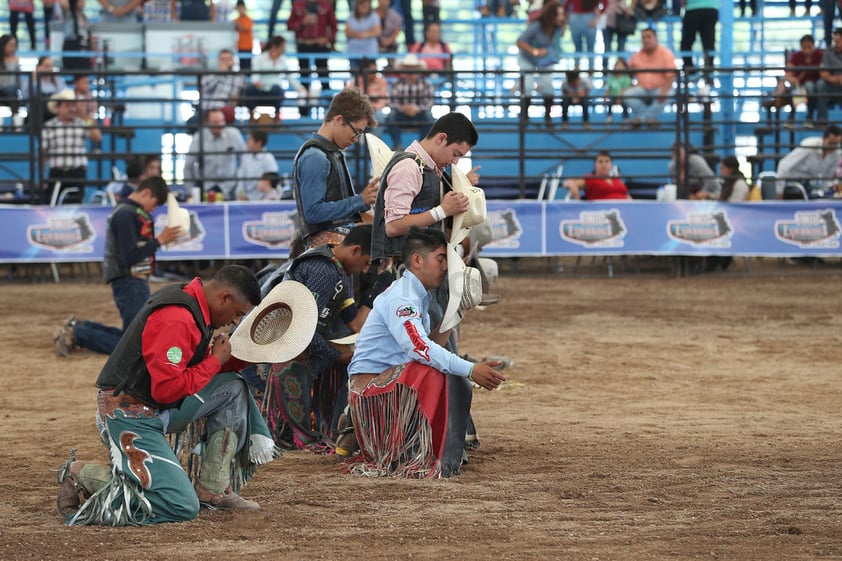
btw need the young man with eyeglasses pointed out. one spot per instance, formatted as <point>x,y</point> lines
<point>327,204</point>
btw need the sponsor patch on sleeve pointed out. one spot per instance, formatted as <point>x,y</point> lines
<point>406,312</point>
<point>174,355</point>
<point>419,346</point>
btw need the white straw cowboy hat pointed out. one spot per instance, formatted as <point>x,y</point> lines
<point>475,215</point>
<point>63,95</point>
<point>177,216</point>
<point>411,61</point>
<point>379,152</point>
<point>280,328</point>
<point>465,286</point>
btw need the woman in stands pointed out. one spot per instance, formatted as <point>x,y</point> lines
<point>10,84</point>
<point>362,28</point>
<point>540,50</point>
<point>600,184</point>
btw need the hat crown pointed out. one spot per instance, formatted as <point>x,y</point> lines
<point>271,324</point>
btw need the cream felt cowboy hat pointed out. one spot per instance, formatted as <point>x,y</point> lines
<point>465,286</point>
<point>379,152</point>
<point>475,215</point>
<point>177,216</point>
<point>410,62</point>
<point>63,95</point>
<point>280,328</point>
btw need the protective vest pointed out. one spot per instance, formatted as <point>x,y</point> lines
<point>429,196</point>
<point>125,370</point>
<point>338,187</point>
<point>113,268</point>
<point>334,305</point>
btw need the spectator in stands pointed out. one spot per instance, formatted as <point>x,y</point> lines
<point>649,10</point>
<point>533,10</point>
<point>430,13</point>
<point>77,36</point>
<point>273,18</point>
<point>801,77</point>
<point>691,172</point>
<point>753,5</point>
<point>829,86</point>
<point>434,52</point>
<point>653,67</point>
<point>575,90</point>
<point>404,8</point>
<point>582,17</point>
<point>617,84</point>
<point>10,84</point>
<point>362,28</point>
<point>499,8</point>
<point>245,35</point>
<point>391,23</point>
<point>610,31</point>
<point>813,163</point>
<point>193,10</point>
<point>314,24</point>
<point>64,147</point>
<point>700,17</point>
<point>212,157</point>
<point>828,9</point>
<point>370,82</point>
<point>86,106</point>
<point>411,99</point>
<point>119,10</point>
<point>324,194</point>
<point>221,91</point>
<point>137,169</point>
<point>25,8</point>
<point>808,5</point>
<point>269,69</point>
<point>600,184</point>
<point>734,185</point>
<point>253,164</point>
<point>540,50</point>
<point>267,187</point>
<point>43,84</point>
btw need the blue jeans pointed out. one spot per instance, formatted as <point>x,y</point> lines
<point>130,295</point>
<point>254,97</point>
<point>827,95</point>
<point>644,103</point>
<point>583,34</point>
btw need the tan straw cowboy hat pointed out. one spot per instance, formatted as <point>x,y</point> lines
<point>63,95</point>
<point>475,215</point>
<point>280,328</point>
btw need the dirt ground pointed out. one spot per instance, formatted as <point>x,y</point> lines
<point>646,417</point>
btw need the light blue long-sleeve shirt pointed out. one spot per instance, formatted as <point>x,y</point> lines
<point>397,330</point>
<point>313,169</point>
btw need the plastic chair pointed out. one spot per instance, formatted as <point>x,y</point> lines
<point>768,185</point>
<point>795,192</point>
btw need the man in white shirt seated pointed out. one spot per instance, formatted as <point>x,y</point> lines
<point>813,163</point>
<point>269,70</point>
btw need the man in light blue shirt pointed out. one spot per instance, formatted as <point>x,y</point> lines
<point>397,330</point>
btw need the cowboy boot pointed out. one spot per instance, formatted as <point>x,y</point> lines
<point>214,486</point>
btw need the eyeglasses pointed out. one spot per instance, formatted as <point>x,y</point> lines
<point>357,132</point>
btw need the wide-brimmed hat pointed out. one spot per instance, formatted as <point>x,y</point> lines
<point>177,216</point>
<point>379,152</point>
<point>465,287</point>
<point>280,328</point>
<point>63,95</point>
<point>410,62</point>
<point>476,213</point>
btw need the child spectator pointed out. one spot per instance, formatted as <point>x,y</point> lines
<point>245,35</point>
<point>574,91</point>
<point>616,84</point>
<point>267,187</point>
<point>253,165</point>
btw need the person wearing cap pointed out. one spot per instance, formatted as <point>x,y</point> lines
<point>327,271</point>
<point>63,142</point>
<point>411,99</point>
<point>169,370</point>
<point>130,246</point>
<point>325,196</point>
<point>396,341</point>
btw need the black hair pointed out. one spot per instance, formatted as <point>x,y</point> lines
<point>259,136</point>
<point>832,129</point>
<point>134,169</point>
<point>457,127</point>
<point>242,280</point>
<point>158,186</point>
<point>422,241</point>
<point>730,162</point>
<point>272,177</point>
<point>361,236</point>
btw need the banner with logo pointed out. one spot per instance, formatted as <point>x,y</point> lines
<point>520,228</point>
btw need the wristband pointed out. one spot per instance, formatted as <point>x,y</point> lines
<point>438,214</point>
<point>471,375</point>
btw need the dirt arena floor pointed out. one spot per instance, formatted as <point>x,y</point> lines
<point>646,417</point>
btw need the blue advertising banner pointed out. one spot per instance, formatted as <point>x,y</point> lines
<point>520,228</point>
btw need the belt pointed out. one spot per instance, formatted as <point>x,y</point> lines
<point>130,406</point>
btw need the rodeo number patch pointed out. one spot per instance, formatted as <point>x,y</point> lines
<point>174,355</point>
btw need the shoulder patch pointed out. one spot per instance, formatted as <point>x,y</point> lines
<point>174,355</point>
<point>406,312</point>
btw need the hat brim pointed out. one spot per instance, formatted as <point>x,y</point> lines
<point>379,152</point>
<point>455,287</point>
<point>177,216</point>
<point>461,184</point>
<point>290,299</point>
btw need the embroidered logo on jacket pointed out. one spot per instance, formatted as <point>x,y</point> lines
<point>174,355</point>
<point>420,346</point>
<point>406,312</point>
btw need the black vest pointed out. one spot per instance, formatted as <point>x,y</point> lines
<point>338,186</point>
<point>125,370</point>
<point>112,267</point>
<point>383,246</point>
<point>334,305</point>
